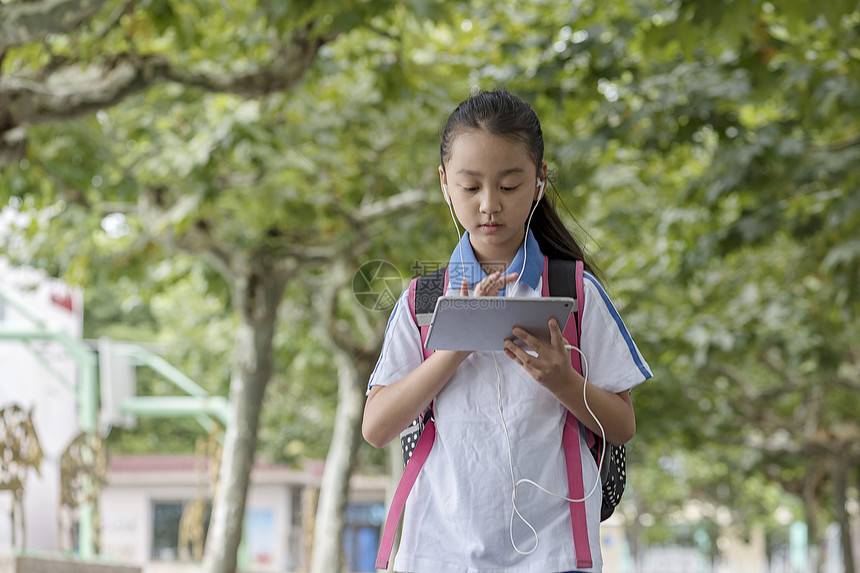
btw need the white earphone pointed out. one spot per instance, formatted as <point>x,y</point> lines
<point>445,193</point>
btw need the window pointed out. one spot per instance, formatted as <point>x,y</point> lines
<point>166,517</point>
<point>296,501</point>
<point>361,535</point>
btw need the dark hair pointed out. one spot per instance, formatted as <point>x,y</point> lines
<point>501,113</point>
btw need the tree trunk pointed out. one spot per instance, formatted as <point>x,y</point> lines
<point>310,502</point>
<point>811,483</point>
<point>633,533</point>
<point>840,488</point>
<point>327,556</point>
<point>394,455</point>
<point>256,295</point>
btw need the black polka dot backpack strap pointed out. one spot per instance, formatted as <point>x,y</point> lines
<point>423,293</point>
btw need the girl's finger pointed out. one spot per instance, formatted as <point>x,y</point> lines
<point>511,277</point>
<point>464,288</point>
<point>490,285</point>
<point>514,351</point>
<point>555,334</point>
<point>533,342</point>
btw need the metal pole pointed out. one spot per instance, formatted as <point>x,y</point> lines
<point>88,422</point>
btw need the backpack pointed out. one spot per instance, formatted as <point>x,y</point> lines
<point>567,276</point>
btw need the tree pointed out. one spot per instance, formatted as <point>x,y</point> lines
<point>708,150</point>
<point>194,149</point>
<point>729,130</point>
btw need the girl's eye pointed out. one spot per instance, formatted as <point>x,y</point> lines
<point>474,188</point>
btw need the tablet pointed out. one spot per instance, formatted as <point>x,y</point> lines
<point>485,322</point>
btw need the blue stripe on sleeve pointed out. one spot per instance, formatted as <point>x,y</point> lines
<point>637,358</point>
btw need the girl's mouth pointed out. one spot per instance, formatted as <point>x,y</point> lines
<point>491,227</point>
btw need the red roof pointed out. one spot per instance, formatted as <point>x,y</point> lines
<point>152,463</point>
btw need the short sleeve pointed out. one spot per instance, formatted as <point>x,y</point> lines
<point>614,360</point>
<point>401,349</point>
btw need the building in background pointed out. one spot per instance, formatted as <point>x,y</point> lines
<point>143,502</point>
<point>40,376</point>
<point>145,497</point>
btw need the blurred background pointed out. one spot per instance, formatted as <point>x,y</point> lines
<point>208,208</point>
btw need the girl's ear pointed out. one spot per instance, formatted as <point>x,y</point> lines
<point>541,184</point>
<point>444,181</point>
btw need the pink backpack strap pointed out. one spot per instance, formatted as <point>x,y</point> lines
<point>570,434</point>
<point>419,455</point>
<point>398,502</point>
<point>410,296</point>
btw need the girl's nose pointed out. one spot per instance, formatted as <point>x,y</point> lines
<point>490,202</point>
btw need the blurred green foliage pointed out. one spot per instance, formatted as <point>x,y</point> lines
<point>708,150</point>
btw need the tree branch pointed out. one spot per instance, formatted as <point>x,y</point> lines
<point>748,399</point>
<point>746,402</point>
<point>370,211</point>
<point>26,102</point>
<point>320,254</point>
<point>326,305</point>
<point>287,69</point>
<point>846,383</point>
<point>114,19</point>
<point>25,22</point>
<point>837,146</point>
<point>339,333</point>
<point>156,217</point>
<point>13,144</point>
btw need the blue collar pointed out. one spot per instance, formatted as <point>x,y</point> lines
<point>473,272</point>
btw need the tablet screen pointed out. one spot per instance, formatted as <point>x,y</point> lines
<point>485,322</point>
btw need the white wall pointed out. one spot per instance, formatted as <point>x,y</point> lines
<point>270,504</point>
<point>126,516</point>
<point>25,381</point>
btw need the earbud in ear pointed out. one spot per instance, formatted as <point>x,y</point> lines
<point>541,186</point>
<point>445,193</point>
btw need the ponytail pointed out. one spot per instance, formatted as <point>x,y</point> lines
<point>555,239</point>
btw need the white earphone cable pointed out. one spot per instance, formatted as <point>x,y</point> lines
<point>525,247</point>
<point>516,483</point>
<point>456,226</point>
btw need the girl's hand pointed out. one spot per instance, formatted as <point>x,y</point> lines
<point>551,367</point>
<point>490,286</point>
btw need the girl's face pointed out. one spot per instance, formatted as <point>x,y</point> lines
<point>492,183</point>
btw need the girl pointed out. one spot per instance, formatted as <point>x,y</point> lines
<point>459,517</point>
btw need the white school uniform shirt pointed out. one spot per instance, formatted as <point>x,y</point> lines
<point>458,515</point>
